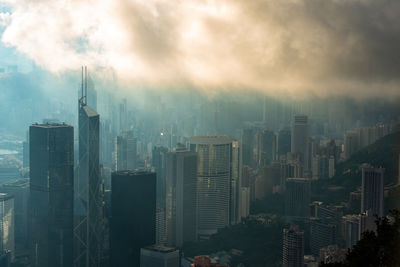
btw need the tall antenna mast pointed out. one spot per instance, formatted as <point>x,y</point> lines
<point>81,97</point>
<point>86,85</point>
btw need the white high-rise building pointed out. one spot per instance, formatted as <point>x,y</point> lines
<point>214,177</point>
<point>7,224</point>
<point>244,202</point>
<point>236,182</point>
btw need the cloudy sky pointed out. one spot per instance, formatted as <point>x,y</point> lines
<point>300,47</point>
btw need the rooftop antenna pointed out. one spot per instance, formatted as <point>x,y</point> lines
<point>82,83</point>
<point>83,98</point>
<point>86,85</point>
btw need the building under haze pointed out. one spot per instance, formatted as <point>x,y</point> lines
<point>351,144</point>
<point>266,147</point>
<point>299,137</point>
<point>51,195</point>
<point>248,147</point>
<point>372,190</point>
<point>322,234</point>
<point>88,190</point>
<point>297,198</point>
<point>284,142</point>
<point>20,190</point>
<point>7,226</point>
<point>159,163</point>
<point>293,247</point>
<point>159,159</point>
<point>350,230</point>
<point>213,182</point>
<point>125,152</point>
<point>235,183</point>
<point>181,196</point>
<point>133,216</point>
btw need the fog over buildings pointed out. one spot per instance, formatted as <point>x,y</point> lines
<point>229,133</point>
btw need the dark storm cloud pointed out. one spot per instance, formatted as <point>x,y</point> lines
<point>298,47</point>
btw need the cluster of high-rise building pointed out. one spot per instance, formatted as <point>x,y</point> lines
<point>331,231</point>
<point>361,137</point>
<point>111,194</point>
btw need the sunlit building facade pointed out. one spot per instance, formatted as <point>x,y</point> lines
<point>7,224</point>
<point>214,177</point>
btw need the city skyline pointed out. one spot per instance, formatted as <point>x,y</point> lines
<point>199,133</point>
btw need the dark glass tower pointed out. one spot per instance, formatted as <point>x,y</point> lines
<point>133,216</point>
<point>181,197</point>
<point>88,209</point>
<point>266,147</point>
<point>284,139</point>
<point>51,195</point>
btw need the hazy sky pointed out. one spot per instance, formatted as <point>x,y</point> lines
<point>321,47</point>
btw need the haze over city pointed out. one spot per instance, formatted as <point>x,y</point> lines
<point>199,133</point>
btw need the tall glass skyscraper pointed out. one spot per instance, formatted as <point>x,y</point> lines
<point>181,196</point>
<point>51,195</point>
<point>299,138</point>
<point>88,204</point>
<point>372,190</point>
<point>214,176</point>
<point>133,216</point>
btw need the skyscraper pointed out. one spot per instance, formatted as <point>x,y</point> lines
<point>284,142</point>
<point>244,205</point>
<point>159,159</point>
<point>51,195</point>
<point>350,143</point>
<point>235,182</point>
<point>20,190</point>
<point>247,147</point>
<point>372,191</point>
<point>297,198</point>
<point>7,242</point>
<point>133,216</point>
<point>350,230</point>
<point>88,189</point>
<point>213,182</point>
<point>266,147</point>
<point>293,247</point>
<point>299,137</point>
<point>181,197</point>
<point>125,151</point>
<point>322,235</point>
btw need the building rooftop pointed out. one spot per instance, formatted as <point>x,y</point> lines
<point>89,111</point>
<point>50,125</point>
<point>134,172</point>
<point>211,140</point>
<point>160,248</point>
<point>298,179</point>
